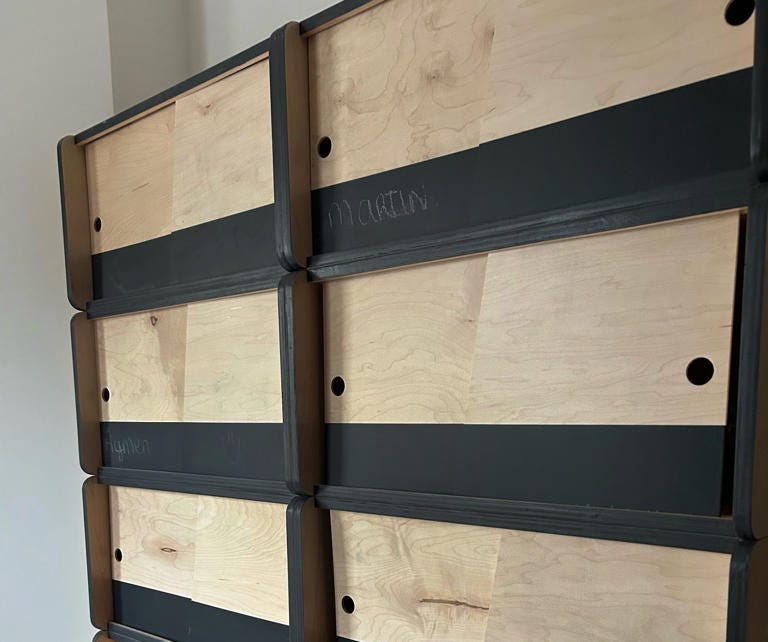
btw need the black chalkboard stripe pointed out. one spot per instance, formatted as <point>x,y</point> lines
<point>212,256</point>
<point>673,469</point>
<point>644,527</point>
<point>672,154</point>
<point>245,450</point>
<point>219,486</point>
<point>711,194</point>
<point>140,611</point>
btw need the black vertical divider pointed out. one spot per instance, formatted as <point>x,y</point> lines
<point>750,490</point>
<point>300,308</point>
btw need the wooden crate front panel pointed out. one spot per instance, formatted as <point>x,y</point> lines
<point>130,182</point>
<point>400,83</point>
<point>213,361</point>
<point>407,81</point>
<point>414,580</point>
<point>227,553</point>
<point>593,330</point>
<point>223,147</point>
<point>204,157</point>
<point>556,59</point>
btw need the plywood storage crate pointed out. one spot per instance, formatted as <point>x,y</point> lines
<point>432,320</point>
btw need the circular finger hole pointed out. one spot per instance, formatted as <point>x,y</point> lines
<point>737,12</point>
<point>97,224</point>
<point>700,371</point>
<point>105,394</point>
<point>118,555</point>
<point>348,604</point>
<point>337,386</point>
<point>324,147</point>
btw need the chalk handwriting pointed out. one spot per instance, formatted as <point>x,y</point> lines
<point>128,447</point>
<point>382,208</point>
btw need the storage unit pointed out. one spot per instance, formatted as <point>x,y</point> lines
<point>432,320</point>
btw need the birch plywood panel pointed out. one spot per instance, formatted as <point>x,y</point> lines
<point>241,557</point>
<point>423,581</point>
<point>233,360</point>
<point>601,329</point>
<point>130,182</point>
<point>592,330</point>
<point>412,580</point>
<point>214,361</point>
<point>555,59</point>
<point>553,587</point>
<point>403,342</point>
<point>141,361</point>
<point>155,533</point>
<point>400,83</point>
<point>223,148</point>
<point>228,553</point>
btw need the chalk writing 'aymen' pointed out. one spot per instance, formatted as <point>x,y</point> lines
<point>123,448</point>
<point>386,206</point>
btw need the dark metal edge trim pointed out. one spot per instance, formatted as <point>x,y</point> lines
<point>219,486</point>
<point>663,529</point>
<point>230,285</point>
<point>204,76</point>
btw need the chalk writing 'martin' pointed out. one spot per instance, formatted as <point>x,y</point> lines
<point>384,207</point>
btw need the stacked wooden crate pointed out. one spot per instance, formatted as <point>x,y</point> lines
<point>432,320</point>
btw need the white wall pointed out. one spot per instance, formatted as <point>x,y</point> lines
<point>148,41</point>
<point>54,80</point>
<point>221,28</point>
<point>156,43</point>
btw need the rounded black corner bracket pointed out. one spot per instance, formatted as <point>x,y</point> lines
<point>75,222</point>
<point>289,94</point>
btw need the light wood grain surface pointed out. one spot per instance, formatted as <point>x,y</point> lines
<point>415,580</point>
<point>400,83</point>
<point>223,148</point>
<point>601,329</point>
<point>403,342</point>
<point>203,157</point>
<point>233,360</point>
<point>141,361</point>
<point>215,361</point>
<point>555,59</point>
<point>228,553</point>
<point>410,80</point>
<point>412,580</point>
<point>130,182</point>
<point>552,588</point>
<point>241,559</point>
<point>155,531</point>
<point>597,329</point>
